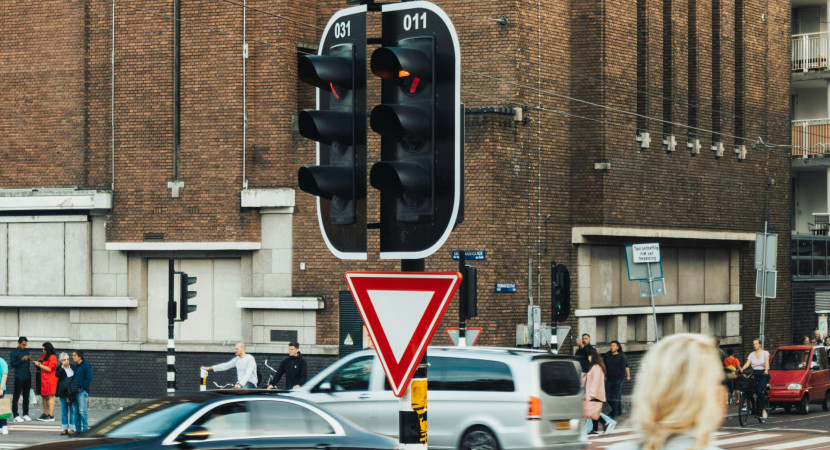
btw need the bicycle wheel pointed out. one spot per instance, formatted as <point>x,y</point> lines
<point>744,410</point>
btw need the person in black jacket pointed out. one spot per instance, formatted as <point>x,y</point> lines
<point>69,408</point>
<point>293,367</point>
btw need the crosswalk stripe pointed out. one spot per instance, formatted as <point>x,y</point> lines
<point>745,438</point>
<point>614,438</point>
<point>808,443</point>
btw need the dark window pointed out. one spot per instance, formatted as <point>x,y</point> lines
<point>461,374</point>
<point>279,418</point>
<point>227,421</point>
<point>283,335</point>
<point>146,420</point>
<point>354,376</point>
<point>790,360</point>
<point>559,378</point>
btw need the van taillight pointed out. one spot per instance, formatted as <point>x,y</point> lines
<point>534,412</point>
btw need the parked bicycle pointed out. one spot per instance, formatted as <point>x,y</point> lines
<point>747,385</point>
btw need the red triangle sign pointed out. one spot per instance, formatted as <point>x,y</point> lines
<point>401,311</point>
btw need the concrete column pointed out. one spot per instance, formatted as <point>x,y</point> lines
<point>587,325</point>
<point>583,290</point>
<point>733,324</point>
<point>618,329</point>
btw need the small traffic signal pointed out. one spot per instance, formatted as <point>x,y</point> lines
<point>185,295</point>
<point>338,125</point>
<point>560,287</point>
<point>419,123</point>
<point>469,305</point>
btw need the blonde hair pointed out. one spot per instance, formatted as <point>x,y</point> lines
<point>678,391</point>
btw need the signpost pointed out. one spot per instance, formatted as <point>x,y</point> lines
<point>472,335</point>
<point>644,264</point>
<point>766,252</point>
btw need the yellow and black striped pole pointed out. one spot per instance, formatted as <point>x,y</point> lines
<point>412,405</point>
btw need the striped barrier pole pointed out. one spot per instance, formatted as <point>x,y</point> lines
<point>203,386</point>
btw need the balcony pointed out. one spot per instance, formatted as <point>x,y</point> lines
<point>811,137</point>
<point>810,51</point>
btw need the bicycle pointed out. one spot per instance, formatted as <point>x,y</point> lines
<point>749,399</point>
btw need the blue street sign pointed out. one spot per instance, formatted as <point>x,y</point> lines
<point>474,255</point>
<point>505,287</point>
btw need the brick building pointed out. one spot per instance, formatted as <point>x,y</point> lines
<point>590,125</point>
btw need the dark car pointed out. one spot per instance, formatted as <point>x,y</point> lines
<point>224,420</point>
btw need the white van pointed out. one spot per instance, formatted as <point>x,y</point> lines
<point>478,397</point>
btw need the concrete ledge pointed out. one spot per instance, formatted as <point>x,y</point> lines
<point>35,339</point>
<point>54,200</point>
<point>31,301</point>
<point>674,309</point>
<point>182,246</point>
<point>579,234</point>
<point>268,198</point>
<point>289,303</point>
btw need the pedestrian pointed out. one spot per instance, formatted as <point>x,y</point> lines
<point>68,405</point>
<point>731,363</point>
<point>47,363</point>
<point>83,376</point>
<point>827,343</point>
<point>805,340</point>
<point>20,358</point>
<point>293,367</point>
<point>245,368</point>
<point>678,396</point>
<point>582,353</point>
<point>817,334</point>
<point>616,370</point>
<point>4,375</point>
<point>721,353</point>
<point>759,360</point>
<point>813,341</point>
<point>595,395</point>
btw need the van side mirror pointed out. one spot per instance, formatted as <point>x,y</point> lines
<point>194,433</point>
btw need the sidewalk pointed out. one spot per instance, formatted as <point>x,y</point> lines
<point>93,416</point>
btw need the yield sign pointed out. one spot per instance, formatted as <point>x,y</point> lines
<point>402,310</point>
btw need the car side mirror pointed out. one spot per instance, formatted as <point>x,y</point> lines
<point>325,386</point>
<point>194,433</point>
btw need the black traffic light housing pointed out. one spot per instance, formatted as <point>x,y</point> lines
<point>419,120</point>
<point>560,294</point>
<point>339,127</point>
<point>185,294</point>
<point>469,304</point>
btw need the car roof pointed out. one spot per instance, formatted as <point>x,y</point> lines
<point>208,396</point>
<point>506,352</point>
<point>797,347</point>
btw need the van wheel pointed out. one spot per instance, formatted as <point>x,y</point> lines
<point>479,438</point>
<point>804,405</point>
<point>825,405</point>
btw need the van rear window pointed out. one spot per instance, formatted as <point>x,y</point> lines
<point>559,378</point>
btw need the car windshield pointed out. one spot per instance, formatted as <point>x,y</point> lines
<point>145,420</point>
<point>790,360</point>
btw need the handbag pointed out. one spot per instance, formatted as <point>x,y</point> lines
<point>72,388</point>
<point>591,409</point>
<point>5,408</point>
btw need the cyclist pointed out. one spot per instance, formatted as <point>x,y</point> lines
<point>759,360</point>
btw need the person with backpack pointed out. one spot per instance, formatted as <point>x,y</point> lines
<point>69,407</point>
<point>731,363</point>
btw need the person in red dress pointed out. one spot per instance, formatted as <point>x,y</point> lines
<point>47,363</point>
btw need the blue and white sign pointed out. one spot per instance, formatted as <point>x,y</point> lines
<point>471,255</point>
<point>505,287</point>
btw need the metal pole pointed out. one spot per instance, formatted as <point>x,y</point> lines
<point>653,308</point>
<point>554,346</point>
<point>171,320</point>
<point>462,301</point>
<point>412,406</point>
<point>763,283</point>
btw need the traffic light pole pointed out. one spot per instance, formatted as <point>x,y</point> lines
<point>412,405</point>
<point>171,320</point>
<point>462,302</point>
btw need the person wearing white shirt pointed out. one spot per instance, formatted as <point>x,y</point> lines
<point>245,368</point>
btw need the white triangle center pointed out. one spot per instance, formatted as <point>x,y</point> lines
<point>399,313</point>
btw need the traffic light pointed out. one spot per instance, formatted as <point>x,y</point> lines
<point>560,294</point>
<point>469,305</point>
<point>185,295</point>
<point>419,175</point>
<point>338,125</point>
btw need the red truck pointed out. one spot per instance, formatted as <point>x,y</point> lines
<point>799,376</point>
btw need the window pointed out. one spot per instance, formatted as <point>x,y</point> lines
<point>790,360</point>
<point>354,376</point>
<point>810,257</point>
<point>461,374</point>
<point>559,378</point>
<point>227,421</point>
<point>281,418</point>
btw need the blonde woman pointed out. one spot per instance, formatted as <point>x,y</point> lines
<point>678,396</point>
<point>759,360</point>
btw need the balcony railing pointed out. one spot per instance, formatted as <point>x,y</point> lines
<point>811,137</point>
<point>810,51</point>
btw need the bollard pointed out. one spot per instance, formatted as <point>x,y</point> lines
<point>203,386</point>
